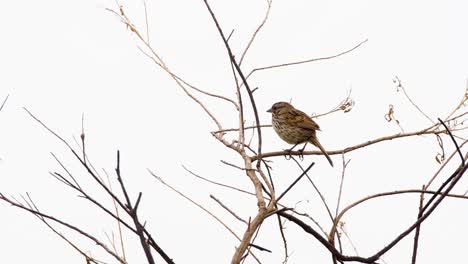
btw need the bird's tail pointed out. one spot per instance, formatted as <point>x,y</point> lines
<point>316,143</point>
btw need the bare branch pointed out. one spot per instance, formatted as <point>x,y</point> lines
<point>227,209</point>
<point>305,61</point>
<point>454,141</point>
<point>295,181</point>
<point>344,164</point>
<point>158,60</point>
<point>429,130</point>
<point>4,102</point>
<point>69,226</point>
<point>196,204</point>
<point>443,165</point>
<point>239,71</point>
<point>132,211</point>
<point>267,13</point>
<point>400,86</point>
<point>418,228</point>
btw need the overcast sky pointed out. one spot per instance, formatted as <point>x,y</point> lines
<point>63,59</point>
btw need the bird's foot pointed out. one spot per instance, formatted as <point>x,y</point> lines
<point>288,155</point>
<point>301,154</point>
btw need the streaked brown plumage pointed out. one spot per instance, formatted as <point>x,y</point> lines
<point>294,126</point>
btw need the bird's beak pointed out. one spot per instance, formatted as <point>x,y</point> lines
<point>269,110</point>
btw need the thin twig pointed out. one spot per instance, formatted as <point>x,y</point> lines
<point>283,237</point>
<point>443,165</point>
<point>69,226</point>
<point>4,102</point>
<point>217,183</point>
<point>400,86</point>
<point>317,190</point>
<point>119,224</point>
<point>158,60</point>
<point>82,136</point>
<point>383,194</point>
<point>32,205</point>
<point>295,181</point>
<point>132,212</point>
<point>461,104</point>
<point>322,240</point>
<point>418,228</point>
<point>241,74</point>
<point>267,13</point>
<point>232,165</point>
<point>453,140</point>
<point>345,105</point>
<point>345,164</point>
<point>454,178</point>
<point>227,209</point>
<point>195,203</point>
<point>146,23</point>
<point>305,61</point>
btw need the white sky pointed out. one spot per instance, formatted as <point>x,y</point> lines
<point>60,59</point>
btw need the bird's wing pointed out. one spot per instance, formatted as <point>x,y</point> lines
<point>302,120</point>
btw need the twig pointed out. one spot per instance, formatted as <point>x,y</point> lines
<point>4,102</point>
<point>196,204</point>
<point>90,259</point>
<point>306,215</point>
<point>400,86</point>
<point>146,23</point>
<point>227,209</point>
<point>448,181</point>
<point>119,224</point>
<point>217,183</point>
<point>69,226</point>
<point>418,228</point>
<point>453,140</point>
<point>390,116</point>
<point>262,209</point>
<point>260,248</point>
<point>237,129</point>
<point>251,243</point>
<point>97,178</point>
<point>233,165</point>
<point>454,178</point>
<point>443,165</point>
<point>323,241</point>
<point>132,211</point>
<point>158,60</point>
<point>82,136</point>
<point>345,105</point>
<point>305,61</point>
<point>267,13</point>
<point>296,181</point>
<point>349,239</point>
<point>461,104</point>
<point>283,237</point>
<point>383,194</point>
<point>239,71</point>
<point>241,137</point>
<point>345,164</point>
<point>317,190</point>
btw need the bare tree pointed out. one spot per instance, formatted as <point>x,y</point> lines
<point>257,169</point>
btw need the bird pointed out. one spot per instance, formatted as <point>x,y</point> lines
<point>295,127</point>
